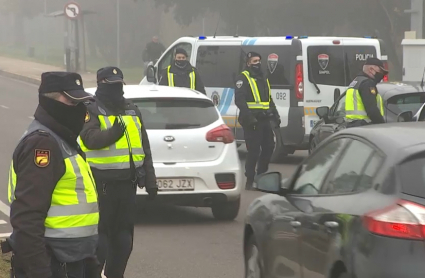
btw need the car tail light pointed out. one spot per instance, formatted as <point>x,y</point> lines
<point>336,42</point>
<point>220,134</point>
<point>402,220</point>
<point>225,181</point>
<point>385,67</point>
<point>299,82</point>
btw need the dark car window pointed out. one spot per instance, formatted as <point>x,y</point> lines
<point>339,108</point>
<point>314,171</point>
<point>406,102</point>
<point>176,113</point>
<point>350,169</point>
<point>412,176</point>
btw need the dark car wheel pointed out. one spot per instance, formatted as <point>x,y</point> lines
<point>252,259</point>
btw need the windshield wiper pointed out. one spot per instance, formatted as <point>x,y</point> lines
<point>311,75</point>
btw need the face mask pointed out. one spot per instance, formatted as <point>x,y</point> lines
<point>113,92</point>
<point>256,68</point>
<point>181,63</point>
<point>378,77</point>
<point>69,116</point>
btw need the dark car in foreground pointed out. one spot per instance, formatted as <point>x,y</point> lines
<point>398,98</point>
<point>355,208</point>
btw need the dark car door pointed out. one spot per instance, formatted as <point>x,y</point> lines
<point>283,252</point>
<point>336,111</point>
<point>325,228</point>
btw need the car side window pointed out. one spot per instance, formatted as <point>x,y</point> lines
<point>351,169</point>
<point>169,56</point>
<point>316,168</point>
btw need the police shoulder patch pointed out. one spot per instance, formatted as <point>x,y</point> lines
<point>87,118</point>
<point>239,84</point>
<point>353,83</point>
<point>41,158</point>
<point>373,90</point>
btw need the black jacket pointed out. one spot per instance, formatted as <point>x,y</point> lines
<point>94,138</point>
<point>243,94</point>
<point>368,90</point>
<point>34,189</point>
<point>153,51</point>
<point>182,79</point>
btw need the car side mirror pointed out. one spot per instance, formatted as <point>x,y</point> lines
<point>271,183</point>
<point>322,111</point>
<point>337,94</point>
<point>150,74</point>
<point>339,120</point>
<point>406,116</point>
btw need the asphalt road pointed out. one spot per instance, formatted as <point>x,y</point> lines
<point>169,241</point>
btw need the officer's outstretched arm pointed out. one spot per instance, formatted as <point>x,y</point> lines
<point>368,93</point>
<point>150,179</point>
<point>94,138</point>
<point>38,165</point>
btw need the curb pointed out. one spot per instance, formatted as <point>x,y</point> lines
<point>20,77</point>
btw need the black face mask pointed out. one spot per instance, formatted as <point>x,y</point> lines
<point>256,68</point>
<point>112,92</point>
<point>378,77</point>
<point>181,63</point>
<point>69,116</point>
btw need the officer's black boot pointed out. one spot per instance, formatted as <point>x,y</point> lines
<point>249,184</point>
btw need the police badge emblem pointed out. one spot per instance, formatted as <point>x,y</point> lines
<point>78,82</point>
<point>323,61</point>
<point>272,60</point>
<point>239,84</point>
<point>215,97</point>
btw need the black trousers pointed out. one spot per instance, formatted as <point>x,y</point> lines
<point>260,145</point>
<point>68,270</point>
<point>117,209</point>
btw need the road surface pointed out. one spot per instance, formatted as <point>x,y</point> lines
<point>170,242</point>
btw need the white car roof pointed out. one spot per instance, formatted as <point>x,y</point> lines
<point>151,91</point>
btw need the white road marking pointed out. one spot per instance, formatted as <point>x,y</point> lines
<point>2,222</point>
<point>31,117</point>
<point>5,107</point>
<point>4,208</point>
<point>4,235</point>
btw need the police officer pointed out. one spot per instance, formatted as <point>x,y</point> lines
<point>363,104</point>
<point>257,109</point>
<point>54,209</point>
<point>117,148</point>
<point>182,74</point>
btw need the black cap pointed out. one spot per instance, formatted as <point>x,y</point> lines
<point>181,51</point>
<point>110,75</point>
<point>68,83</point>
<point>252,54</point>
<point>375,62</point>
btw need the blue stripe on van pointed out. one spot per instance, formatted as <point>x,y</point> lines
<point>245,42</point>
<point>252,41</point>
<point>222,98</point>
<point>228,100</point>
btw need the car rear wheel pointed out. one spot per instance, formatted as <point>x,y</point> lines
<point>252,259</point>
<point>227,210</point>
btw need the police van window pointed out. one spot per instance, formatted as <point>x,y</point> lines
<point>218,65</point>
<point>169,56</point>
<point>326,65</point>
<point>356,56</point>
<point>276,62</point>
<point>176,113</point>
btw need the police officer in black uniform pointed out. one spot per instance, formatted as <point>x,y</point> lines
<point>112,124</point>
<point>257,110</point>
<point>53,232</point>
<point>182,74</point>
<point>363,104</point>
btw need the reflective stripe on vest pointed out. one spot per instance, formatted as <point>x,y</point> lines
<point>116,156</point>
<point>171,78</point>
<point>73,211</point>
<point>257,104</point>
<point>354,108</point>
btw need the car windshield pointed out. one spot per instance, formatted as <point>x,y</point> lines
<point>412,176</point>
<point>406,102</point>
<point>176,113</point>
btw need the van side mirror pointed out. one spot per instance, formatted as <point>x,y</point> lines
<point>151,74</point>
<point>337,94</point>
<point>406,116</point>
<point>322,111</point>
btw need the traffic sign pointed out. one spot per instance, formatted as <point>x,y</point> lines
<point>72,10</point>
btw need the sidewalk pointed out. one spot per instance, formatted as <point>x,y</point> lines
<point>31,71</point>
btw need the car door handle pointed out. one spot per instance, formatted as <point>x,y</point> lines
<point>331,224</point>
<point>295,224</point>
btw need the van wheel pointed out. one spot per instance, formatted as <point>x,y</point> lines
<point>279,152</point>
<point>226,211</point>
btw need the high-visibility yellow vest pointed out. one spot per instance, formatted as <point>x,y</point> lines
<point>354,107</point>
<point>171,78</point>
<point>257,104</point>
<point>74,211</point>
<point>117,155</point>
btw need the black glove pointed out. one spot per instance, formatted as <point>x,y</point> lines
<point>152,191</point>
<point>119,126</point>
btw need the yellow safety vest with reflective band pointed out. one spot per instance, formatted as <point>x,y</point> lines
<point>257,104</point>
<point>117,156</point>
<point>171,78</point>
<point>354,107</point>
<point>73,212</point>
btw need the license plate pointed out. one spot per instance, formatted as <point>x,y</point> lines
<point>313,123</point>
<point>175,184</point>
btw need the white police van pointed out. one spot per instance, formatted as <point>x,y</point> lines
<point>304,73</point>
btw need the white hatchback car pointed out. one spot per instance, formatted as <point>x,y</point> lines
<point>194,152</point>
